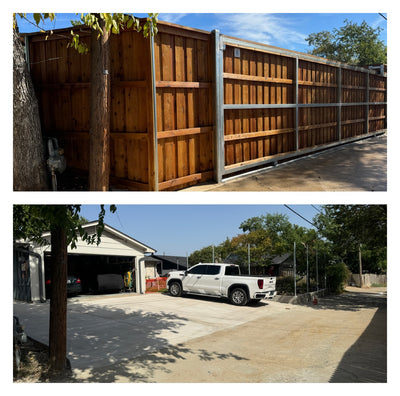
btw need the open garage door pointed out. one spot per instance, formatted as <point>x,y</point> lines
<point>99,273</point>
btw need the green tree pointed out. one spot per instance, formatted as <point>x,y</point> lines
<point>65,226</point>
<point>29,167</point>
<point>357,233</point>
<point>355,44</point>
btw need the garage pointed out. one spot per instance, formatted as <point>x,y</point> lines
<point>117,263</point>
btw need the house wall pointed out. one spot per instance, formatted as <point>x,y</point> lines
<point>111,245</point>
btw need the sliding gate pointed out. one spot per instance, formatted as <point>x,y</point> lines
<point>273,104</point>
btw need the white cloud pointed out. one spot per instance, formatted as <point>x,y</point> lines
<point>265,28</point>
<point>173,18</point>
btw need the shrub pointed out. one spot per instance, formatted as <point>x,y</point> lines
<point>337,276</point>
<point>285,285</point>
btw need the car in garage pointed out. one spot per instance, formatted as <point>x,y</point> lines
<point>74,286</point>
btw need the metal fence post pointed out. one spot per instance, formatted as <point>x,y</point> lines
<point>297,102</point>
<point>367,102</point>
<point>218,86</point>
<point>339,101</point>
<point>294,267</point>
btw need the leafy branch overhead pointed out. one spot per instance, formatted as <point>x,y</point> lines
<point>32,221</point>
<point>113,22</point>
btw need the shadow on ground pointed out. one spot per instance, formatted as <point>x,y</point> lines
<point>366,360</point>
<point>349,301</point>
<point>143,368</point>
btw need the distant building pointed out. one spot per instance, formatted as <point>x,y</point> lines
<point>170,263</point>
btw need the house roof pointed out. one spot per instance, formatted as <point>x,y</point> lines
<point>177,260</point>
<point>116,234</point>
<point>277,260</point>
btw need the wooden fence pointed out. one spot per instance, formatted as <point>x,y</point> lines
<point>189,106</point>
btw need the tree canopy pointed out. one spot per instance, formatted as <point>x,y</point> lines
<point>355,44</point>
<point>31,221</point>
<point>347,227</point>
<point>340,229</point>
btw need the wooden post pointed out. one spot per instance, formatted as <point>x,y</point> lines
<point>99,136</point>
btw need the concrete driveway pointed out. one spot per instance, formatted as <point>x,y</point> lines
<point>106,329</point>
<point>358,166</point>
<point>158,338</point>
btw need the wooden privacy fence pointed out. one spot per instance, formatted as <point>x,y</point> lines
<point>188,106</point>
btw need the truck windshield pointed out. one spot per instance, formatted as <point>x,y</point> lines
<point>232,270</point>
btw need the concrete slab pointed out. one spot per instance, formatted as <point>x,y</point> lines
<point>158,338</point>
<point>359,166</point>
<point>103,330</point>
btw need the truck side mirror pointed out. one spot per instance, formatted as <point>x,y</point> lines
<point>186,273</point>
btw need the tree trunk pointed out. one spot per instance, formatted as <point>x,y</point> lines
<point>360,265</point>
<point>99,155</point>
<point>29,165</point>
<point>58,300</point>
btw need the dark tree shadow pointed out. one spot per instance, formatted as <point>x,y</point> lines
<point>366,360</point>
<point>106,344</point>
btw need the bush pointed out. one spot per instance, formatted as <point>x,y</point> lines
<point>337,276</point>
<point>285,285</point>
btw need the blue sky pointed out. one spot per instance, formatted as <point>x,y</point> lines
<point>286,30</point>
<point>181,229</point>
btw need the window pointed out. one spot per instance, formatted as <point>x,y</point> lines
<point>213,269</point>
<point>198,269</point>
<point>232,270</point>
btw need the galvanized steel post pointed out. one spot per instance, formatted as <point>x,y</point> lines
<point>339,101</point>
<point>367,102</point>
<point>294,267</point>
<point>219,154</point>
<point>296,93</point>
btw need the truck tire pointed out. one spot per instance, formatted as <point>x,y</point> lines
<point>175,289</point>
<point>238,296</point>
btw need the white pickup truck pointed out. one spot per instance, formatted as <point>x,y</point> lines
<point>221,280</point>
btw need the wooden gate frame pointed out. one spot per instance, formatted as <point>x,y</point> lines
<point>220,42</point>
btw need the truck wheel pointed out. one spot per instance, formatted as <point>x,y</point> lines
<point>175,289</point>
<point>238,296</point>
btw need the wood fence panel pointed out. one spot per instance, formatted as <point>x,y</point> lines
<point>260,108</point>
<point>184,107</point>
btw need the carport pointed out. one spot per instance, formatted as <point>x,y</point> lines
<point>117,253</point>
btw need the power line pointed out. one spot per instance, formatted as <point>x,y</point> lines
<point>318,210</point>
<point>300,216</point>
<point>383,16</point>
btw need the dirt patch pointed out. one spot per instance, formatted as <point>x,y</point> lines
<point>35,363</point>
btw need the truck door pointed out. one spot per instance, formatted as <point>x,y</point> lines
<point>210,283</point>
<point>193,278</point>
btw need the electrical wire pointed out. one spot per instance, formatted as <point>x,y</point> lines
<point>300,216</point>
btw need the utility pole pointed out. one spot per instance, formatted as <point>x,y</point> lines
<point>308,278</point>
<point>248,255</point>
<point>360,264</point>
<point>316,264</point>
<point>294,268</point>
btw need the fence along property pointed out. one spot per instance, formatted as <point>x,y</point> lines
<point>188,106</point>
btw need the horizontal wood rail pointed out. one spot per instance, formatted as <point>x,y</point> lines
<point>182,84</point>
<point>318,84</point>
<point>185,180</point>
<point>184,132</point>
<point>260,134</point>
<point>245,77</point>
